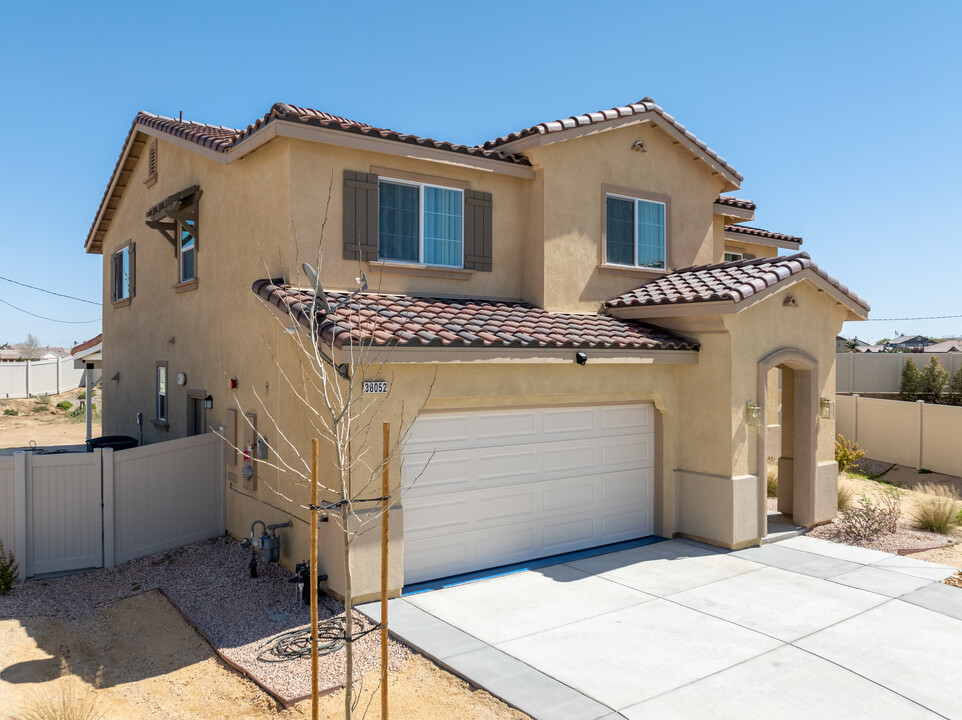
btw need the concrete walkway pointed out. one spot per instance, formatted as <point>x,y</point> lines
<point>799,629</point>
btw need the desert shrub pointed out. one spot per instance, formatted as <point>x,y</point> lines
<point>911,384</point>
<point>64,405</point>
<point>868,519</point>
<point>43,399</point>
<point>934,378</point>
<point>939,511</point>
<point>65,701</point>
<point>846,453</point>
<point>771,478</point>
<point>40,408</point>
<point>846,495</point>
<point>9,570</point>
<point>11,411</point>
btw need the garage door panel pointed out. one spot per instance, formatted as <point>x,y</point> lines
<point>628,451</point>
<point>569,457</point>
<point>508,486</point>
<point>570,421</point>
<point>507,506</point>
<point>635,418</point>
<point>440,430</point>
<point>512,426</point>
<point>499,468</point>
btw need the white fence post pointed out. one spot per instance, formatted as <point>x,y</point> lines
<point>855,422</point>
<point>107,478</point>
<point>20,511</point>
<point>921,406</point>
<point>27,382</point>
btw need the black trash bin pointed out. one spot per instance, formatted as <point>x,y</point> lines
<point>114,442</point>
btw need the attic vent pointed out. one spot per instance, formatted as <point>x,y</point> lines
<point>151,164</point>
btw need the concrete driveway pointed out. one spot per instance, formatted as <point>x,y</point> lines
<point>799,629</point>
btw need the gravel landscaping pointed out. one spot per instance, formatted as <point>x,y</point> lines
<point>210,583</point>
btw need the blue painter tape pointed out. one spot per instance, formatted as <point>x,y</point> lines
<point>503,570</point>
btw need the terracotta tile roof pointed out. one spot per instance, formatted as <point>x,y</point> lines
<point>645,105</point>
<point>758,232</point>
<point>317,118</point>
<point>439,322</point>
<point>728,282</point>
<point>735,203</point>
<point>215,137</point>
<point>87,344</point>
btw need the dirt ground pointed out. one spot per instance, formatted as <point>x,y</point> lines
<point>49,427</point>
<point>139,658</point>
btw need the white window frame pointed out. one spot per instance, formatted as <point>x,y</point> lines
<point>180,254</point>
<point>162,393</point>
<point>120,255</point>
<point>420,186</point>
<point>634,245</point>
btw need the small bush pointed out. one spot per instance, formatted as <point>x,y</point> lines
<point>939,511</point>
<point>9,570</point>
<point>772,485</point>
<point>871,518</point>
<point>846,495</point>
<point>846,453</point>
<point>39,408</point>
<point>10,411</point>
<point>43,399</point>
<point>934,378</point>
<point>66,702</point>
<point>64,405</point>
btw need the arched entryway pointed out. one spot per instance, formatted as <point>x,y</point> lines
<point>799,435</point>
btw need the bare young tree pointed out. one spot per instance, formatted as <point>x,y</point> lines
<point>333,335</point>
<point>29,348</point>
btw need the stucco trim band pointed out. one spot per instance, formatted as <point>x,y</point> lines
<point>403,355</point>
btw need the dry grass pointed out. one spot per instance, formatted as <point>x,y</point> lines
<point>846,495</point>
<point>772,478</point>
<point>64,702</point>
<point>938,511</point>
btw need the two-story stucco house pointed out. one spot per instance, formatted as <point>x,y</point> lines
<point>594,329</point>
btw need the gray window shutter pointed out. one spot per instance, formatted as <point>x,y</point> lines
<point>477,230</point>
<point>360,216</point>
<point>132,261</point>
<point>113,277</point>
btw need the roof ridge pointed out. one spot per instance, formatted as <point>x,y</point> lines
<point>743,263</point>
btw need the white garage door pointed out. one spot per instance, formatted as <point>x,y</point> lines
<point>488,488</point>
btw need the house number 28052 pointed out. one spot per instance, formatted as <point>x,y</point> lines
<point>375,386</point>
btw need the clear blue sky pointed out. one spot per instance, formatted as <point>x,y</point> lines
<point>843,117</point>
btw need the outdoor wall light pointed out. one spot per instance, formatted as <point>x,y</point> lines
<point>826,408</point>
<point>209,402</point>
<point>581,358</point>
<point>753,414</point>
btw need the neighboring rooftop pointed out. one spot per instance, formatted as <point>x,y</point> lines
<point>87,344</point>
<point>440,322</point>
<point>731,282</point>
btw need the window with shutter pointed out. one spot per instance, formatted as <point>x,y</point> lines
<point>121,273</point>
<point>477,230</point>
<point>360,216</point>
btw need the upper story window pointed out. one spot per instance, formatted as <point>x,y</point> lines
<point>733,256</point>
<point>122,269</point>
<point>188,250</point>
<point>635,232</point>
<point>420,223</point>
<point>162,392</point>
<point>177,219</point>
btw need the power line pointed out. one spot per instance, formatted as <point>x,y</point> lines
<point>931,317</point>
<point>68,322</point>
<point>50,292</point>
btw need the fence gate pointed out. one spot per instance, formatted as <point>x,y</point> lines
<point>64,512</point>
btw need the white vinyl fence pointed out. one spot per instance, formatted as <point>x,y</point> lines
<point>882,372</point>
<point>41,377</point>
<point>87,510</point>
<point>916,434</point>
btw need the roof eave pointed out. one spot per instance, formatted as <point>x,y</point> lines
<point>733,180</point>
<point>735,214</point>
<point>400,355</point>
<point>855,310</point>
<point>761,240</point>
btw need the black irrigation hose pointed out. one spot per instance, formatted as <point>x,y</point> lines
<point>296,643</point>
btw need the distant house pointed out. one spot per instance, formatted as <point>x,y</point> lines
<point>947,346</point>
<point>8,355</point>
<point>845,345</point>
<point>909,343</point>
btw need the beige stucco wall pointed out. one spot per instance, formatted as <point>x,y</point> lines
<point>573,173</point>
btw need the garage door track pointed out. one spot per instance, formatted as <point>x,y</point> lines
<point>676,629</point>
